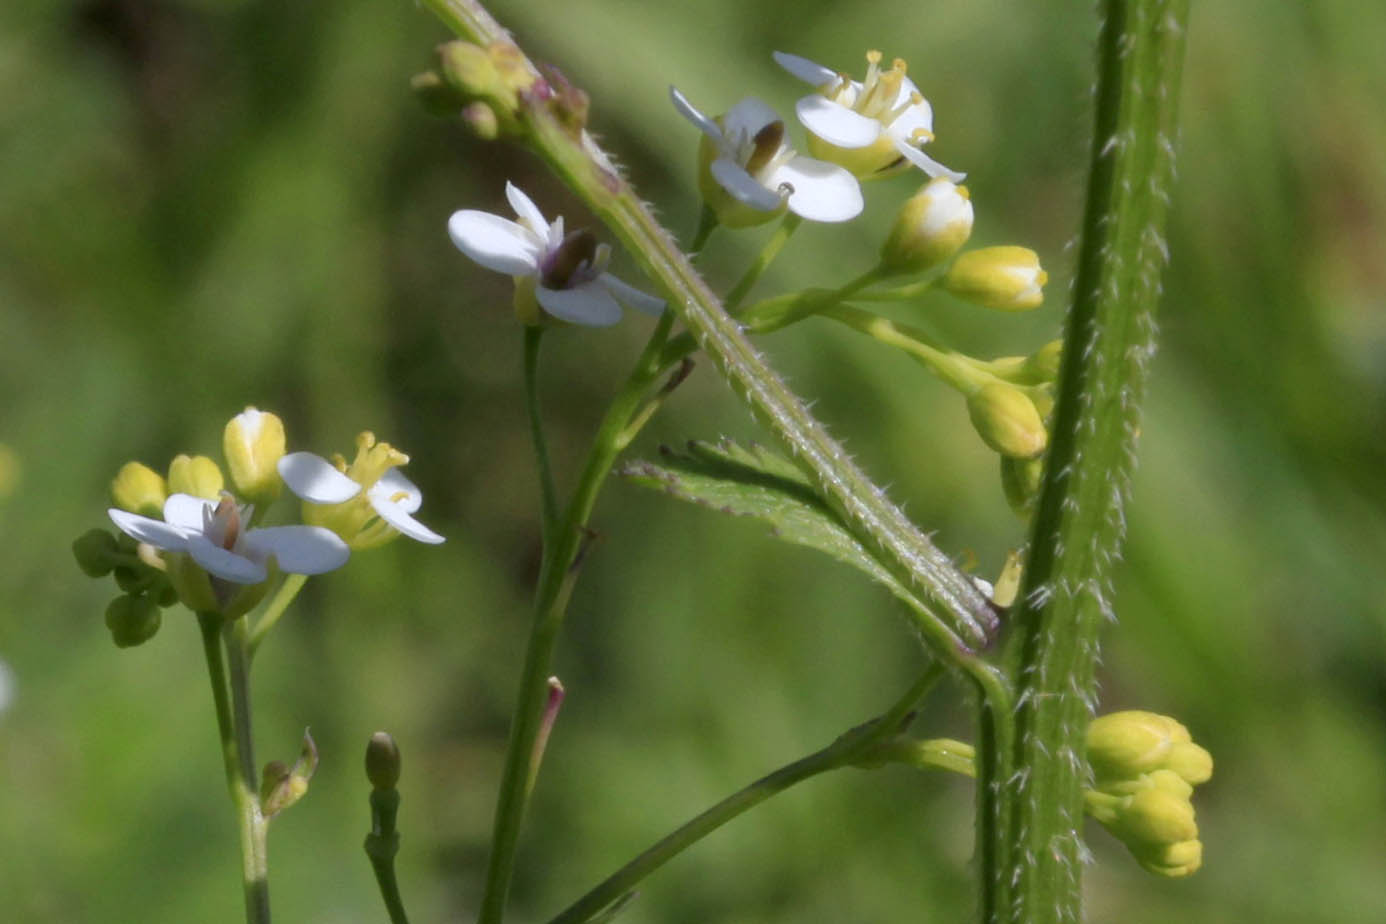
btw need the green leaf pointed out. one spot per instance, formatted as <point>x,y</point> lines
<point>752,481</point>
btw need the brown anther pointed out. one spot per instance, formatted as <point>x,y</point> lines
<point>765,145</point>
<point>579,248</point>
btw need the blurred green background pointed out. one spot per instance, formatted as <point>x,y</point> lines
<point>213,203</point>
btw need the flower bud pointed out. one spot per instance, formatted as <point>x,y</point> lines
<point>1043,364</point>
<point>195,475</point>
<point>1174,860</point>
<point>253,444</point>
<point>132,620</point>
<point>1007,420</point>
<point>139,489</point>
<point>930,227</point>
<point>1156,816</point>
<point>382,761</point>
<point>1007,278</point>
<point>1126,745</point>
<point>1021,480</point>
<point>96,551</point>
<point>481,119</point>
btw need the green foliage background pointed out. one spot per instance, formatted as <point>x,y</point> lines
<point>212,203</point>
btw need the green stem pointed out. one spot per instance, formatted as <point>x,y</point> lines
<point>844,751</point>
<point>959,618</point>
<point>762,262</point>
<point>556,578</point>
<point>251,824</point>
<point>707,223</point>
<point>548,494</point>
<point>285,595</point>
<point>382,843</point>
<point>957,370</point>
<point>1079,523</point>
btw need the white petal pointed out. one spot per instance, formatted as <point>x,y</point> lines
<point>226,565</point>
<point>315,479</point>
<point>822,191</point>
<point>186,512</point>
<point>836,124</point>
<point>926,163</point>
<point>630,296</point>
<point>300,549</point>
<point>806,70</point>
<point>157,534</point>
<point>496,243</point>
<point>748,117</point>
<point>524,207</point>
<point>743,187</point>
<point>688,111</point>
<point>399,518</point>
<point>588,304</point>
<point>394,486</point>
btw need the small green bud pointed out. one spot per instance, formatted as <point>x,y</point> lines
<point>129,579</point>
<point>1006,278</point>
<point>253,444</point>
<point>96,551</point>
<point>1043,364</point>
<point>382,761</point>
<point>495,75</point>
<point>1007,420</point>
<point>139,489</point>
<point>930,228</point>
<point>132,620</point>
<point>481,119</point>
<point>195,475</point>
<point>1021,480</point>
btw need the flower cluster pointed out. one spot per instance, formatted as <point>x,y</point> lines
<point>1145,767</point>
<point>186,537</point>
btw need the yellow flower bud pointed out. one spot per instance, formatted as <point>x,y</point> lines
<point>1007,420</point>
<point>1123,746</point>
<point>253,444</point>
<point>195,475</point>
<point>1043,364</point>
<point>139,489</point>
<point>1007,278</point>
<point>1155,816</point>
<point>1174,860</point>
<point>930,227</point>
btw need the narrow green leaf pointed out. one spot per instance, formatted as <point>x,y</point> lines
<point>752,481</point>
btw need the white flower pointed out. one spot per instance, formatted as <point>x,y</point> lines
<point>745,155</point>
<point>568,272</point>
<point>210,532</point>
<point>366,503</point>
<point>866,126</point>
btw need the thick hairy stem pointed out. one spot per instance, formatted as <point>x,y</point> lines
<point>1034,777</point>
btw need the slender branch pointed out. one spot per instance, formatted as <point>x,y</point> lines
<point>844,751</point>
<point>556,579</point>
<point>285,595</point>
<point>251,823</point>
<point>767,255</point>
<point>1039,771</point>
<point>382,843</point>
<point>548,494</point>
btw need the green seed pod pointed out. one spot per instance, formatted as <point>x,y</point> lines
<point>132,620</point>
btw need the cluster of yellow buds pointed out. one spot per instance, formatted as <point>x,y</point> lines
<point>185,536</point>
<point>1145,767</point>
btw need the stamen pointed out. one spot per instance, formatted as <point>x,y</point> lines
<point>765,145</point>
<point>563,263</point>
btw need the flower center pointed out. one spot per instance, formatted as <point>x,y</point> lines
<point>372,460</point>
<point>222,524</point>
<point>877,96</point>
<point>568,260</point>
